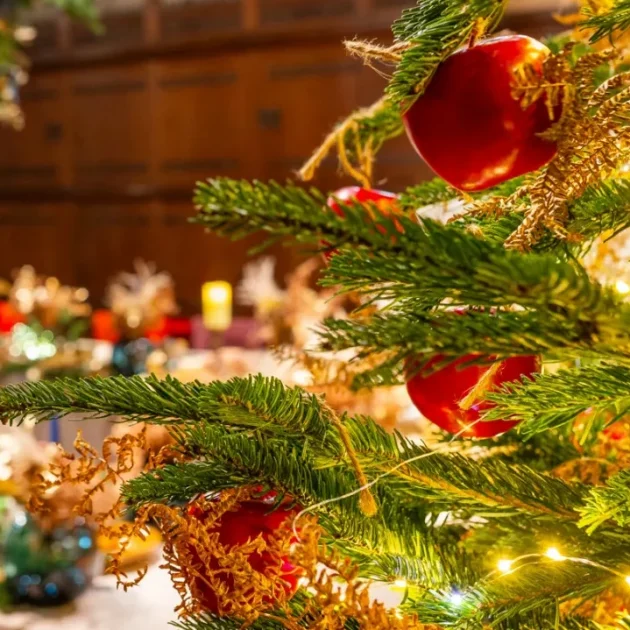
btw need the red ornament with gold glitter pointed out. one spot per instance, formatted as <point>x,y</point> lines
<point>439,394</point>
<point>469,127</point>
<point>251,519</point>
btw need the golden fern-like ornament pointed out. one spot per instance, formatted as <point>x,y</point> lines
<point>591,135</point>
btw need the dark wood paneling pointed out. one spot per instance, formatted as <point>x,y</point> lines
<point>108,239</point>
<point>46,40</point>
<point>291,12</point>
<point>124,29</point>
<point>31,158</point>
<point>111,143</point>
<point>181,20</point>
<point>39,234</point>
<point>302,94</point>
<point>203,120</point>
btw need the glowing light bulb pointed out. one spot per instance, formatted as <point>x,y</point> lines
<point>505,566</point>
<point>553,554</point>
<point>456,598</point>
<point>400,583</point>
<point>622,287</point>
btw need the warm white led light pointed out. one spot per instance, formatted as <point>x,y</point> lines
<point>456,598</point>
<point>622,287</point>
<point>553,554</point>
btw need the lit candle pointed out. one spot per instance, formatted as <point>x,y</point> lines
<point>216,298</point>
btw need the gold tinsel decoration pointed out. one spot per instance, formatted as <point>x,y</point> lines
<point>592,145</point>
<point>196,559</point>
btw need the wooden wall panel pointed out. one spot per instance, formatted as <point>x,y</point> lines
<point>109,237</point>
<point>38,234</point>
<point>204,120</point>
<point>295,12</point>
<point>32,158</point>
<point>197,19</point>
<point>112,128</point>
<point>122,28</point>
<point>302,94</point>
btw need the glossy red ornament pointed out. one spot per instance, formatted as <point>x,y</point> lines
<point>437,394</point>
<point>385,201</point>
<point>467,125</point>
<point>252,518</point>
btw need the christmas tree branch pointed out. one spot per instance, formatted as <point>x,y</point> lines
<point>403,339</point>
<point>448,262</point>
<point>609,502</point>
<point>605,23</point>
<point>272,452</point>
<point>553,400</point>
<point>433,30</point>
<point>237,209</point>
<point>212,622</point>
<point>253,402</point>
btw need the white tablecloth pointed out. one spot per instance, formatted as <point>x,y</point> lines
<point>148,606</point>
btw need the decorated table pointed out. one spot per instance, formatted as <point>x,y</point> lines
<point>103,607</point>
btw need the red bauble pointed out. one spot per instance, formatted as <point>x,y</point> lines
<point>467,125</point>
<point>385,201</point>
<point>437,394</point>
<point>252,518</point>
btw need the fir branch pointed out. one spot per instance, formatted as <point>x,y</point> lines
<point>446,262</point>
<point>610,502</point>
<point>254,402</point>
<point>257,399</point>
<point>552,400</point>
<point>295,465</point>
<point>237,209</point>
<point>209,621</point>
<point>617,18</point>
<point>436,563</point>
<point>136,398</point>
<point>434,191</point>
<point>604,207</point>
<point>437,190</point>
<point>415,337</point>
<point>434,29</point>
<point>526,598</point>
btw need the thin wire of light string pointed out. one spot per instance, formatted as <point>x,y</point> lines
<point>391,471</point>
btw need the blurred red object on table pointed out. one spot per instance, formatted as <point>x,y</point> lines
<point>104,327</point>
<point>9,317</point>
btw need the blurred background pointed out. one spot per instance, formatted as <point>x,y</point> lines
<point>119,127</point>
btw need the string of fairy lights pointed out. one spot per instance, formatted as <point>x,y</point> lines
<point>504,566</point>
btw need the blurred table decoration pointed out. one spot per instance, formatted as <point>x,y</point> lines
<point>43,301</point>
<point>139,305</point>
<point>103,607</point>
<point>287,316</point>
<point>47,561</point>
